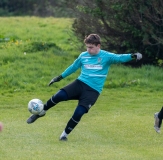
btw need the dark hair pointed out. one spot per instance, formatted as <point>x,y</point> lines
<point>92,39</point>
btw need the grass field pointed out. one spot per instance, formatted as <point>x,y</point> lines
<point>118,127</point>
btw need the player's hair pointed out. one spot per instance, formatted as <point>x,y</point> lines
<point>92,39</point>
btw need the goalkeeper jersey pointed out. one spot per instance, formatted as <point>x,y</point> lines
<point>94,68</point>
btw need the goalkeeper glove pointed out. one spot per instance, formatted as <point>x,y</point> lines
<point>55,79</point>
<point>136,56</point>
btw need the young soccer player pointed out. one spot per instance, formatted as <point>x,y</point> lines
<point>94,64</point>
<point>158,116</point>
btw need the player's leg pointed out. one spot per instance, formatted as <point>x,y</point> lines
<point>87,98</point>
<point>61,95</point>
<point>79,112</point>
<point>158,116</point>
<point>66,93</point>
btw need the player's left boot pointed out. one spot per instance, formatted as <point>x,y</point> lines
<point>34,117</point>
<point>157,123</point>
<point>63,138</point>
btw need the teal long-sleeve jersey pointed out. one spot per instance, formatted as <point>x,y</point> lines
<point>94,68</point>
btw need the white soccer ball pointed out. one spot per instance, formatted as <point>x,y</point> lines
<point>35,106</point>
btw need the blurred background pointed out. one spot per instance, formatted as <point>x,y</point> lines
<point>125,26</point>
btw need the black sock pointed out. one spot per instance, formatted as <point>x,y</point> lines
<point>79,112</point>
<point>70,125</point>
<point>49,104</point>
<point>160,114</point>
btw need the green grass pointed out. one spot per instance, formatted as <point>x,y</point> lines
<point>119,126</point>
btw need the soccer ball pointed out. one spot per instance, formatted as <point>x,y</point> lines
<point>35,106</point>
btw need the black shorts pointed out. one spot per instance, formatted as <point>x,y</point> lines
<point>80,91</point>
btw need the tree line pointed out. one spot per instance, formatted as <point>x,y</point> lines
<point>124,25</point>
<point>43,8</point>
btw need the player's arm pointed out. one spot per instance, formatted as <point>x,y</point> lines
<point>71,69</point>
<point>122,58</point>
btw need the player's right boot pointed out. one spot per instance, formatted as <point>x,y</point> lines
<point>157,123</point>
<point>34,117</point>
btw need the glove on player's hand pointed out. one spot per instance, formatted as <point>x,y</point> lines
<point>55,79</point>
<point>137,56</point>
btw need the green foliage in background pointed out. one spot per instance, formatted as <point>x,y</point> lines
<point>125,26</point>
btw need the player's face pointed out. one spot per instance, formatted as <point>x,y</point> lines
<point>93,49</point>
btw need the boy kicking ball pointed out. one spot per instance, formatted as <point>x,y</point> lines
<point>94,64</point>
